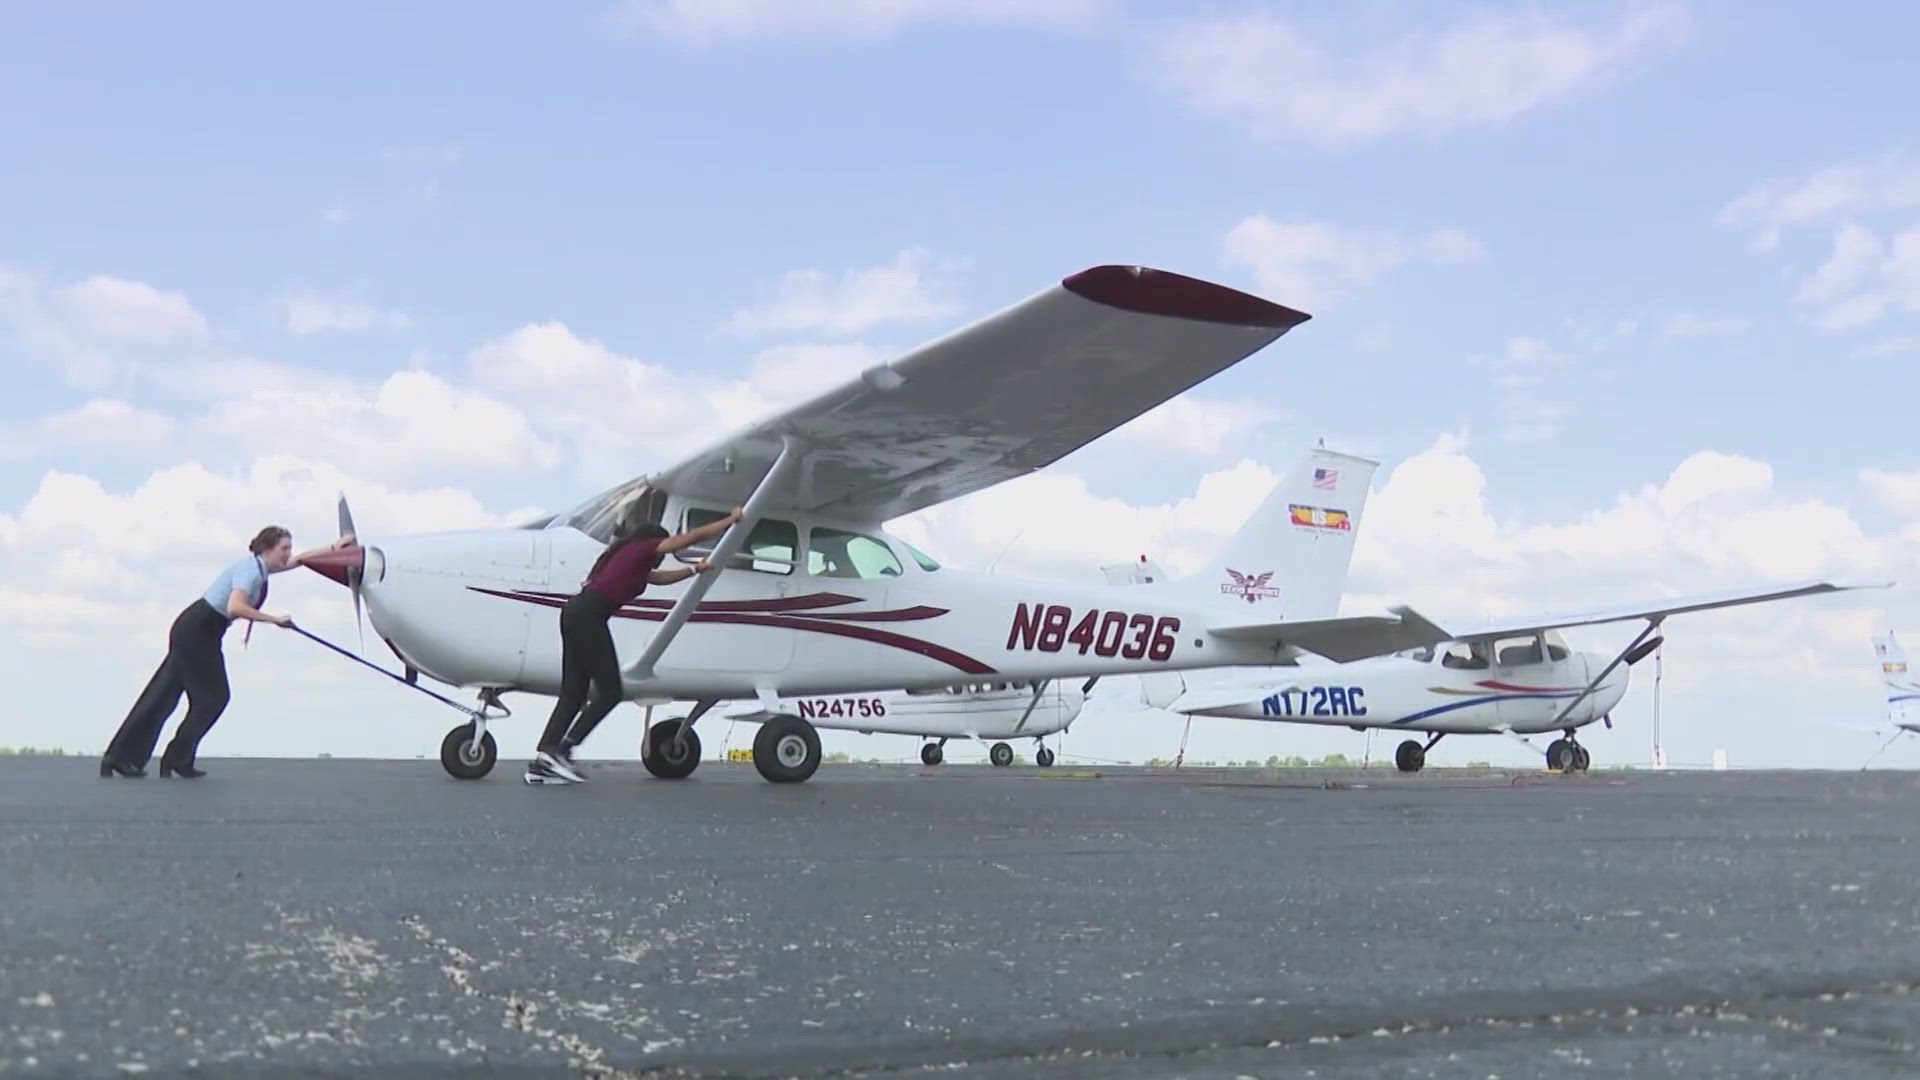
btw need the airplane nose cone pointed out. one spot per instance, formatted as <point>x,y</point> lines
<point>335,564</point>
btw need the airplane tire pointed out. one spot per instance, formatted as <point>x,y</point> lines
<point>1561,756</point>
<point>1581,759</point>
<point>461,759</point>
<point>1410,756</point>
<point>787,750</point>
<point>931,754</point>
<point>663,760</point>
<point>1001,755</point>
<point>1043,757</point>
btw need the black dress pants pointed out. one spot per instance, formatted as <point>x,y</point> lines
<point>195,666</point>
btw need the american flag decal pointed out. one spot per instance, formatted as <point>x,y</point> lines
<point>1326,479</point>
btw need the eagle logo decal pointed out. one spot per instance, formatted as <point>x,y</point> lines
<point>1250,587</point>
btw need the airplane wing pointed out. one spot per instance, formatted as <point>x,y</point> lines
<point>1005,396</point>
<point>1520,626</point>
<point>1343,639</point>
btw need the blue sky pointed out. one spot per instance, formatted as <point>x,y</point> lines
<point>1594,240</point>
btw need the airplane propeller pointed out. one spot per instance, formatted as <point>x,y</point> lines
<point>355,570</point>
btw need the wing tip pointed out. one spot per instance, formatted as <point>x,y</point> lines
<point>1146,291</point>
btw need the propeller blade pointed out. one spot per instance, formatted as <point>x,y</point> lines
<point>346,517</point>
<point>354,573</point>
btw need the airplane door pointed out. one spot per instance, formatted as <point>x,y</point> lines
<point>1528,683</point>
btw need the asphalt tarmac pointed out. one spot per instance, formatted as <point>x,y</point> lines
<point>360,918</point>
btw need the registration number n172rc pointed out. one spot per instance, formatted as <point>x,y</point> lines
<point>841,708</point>
<point>1053,628</point>
<point>1316,701</point>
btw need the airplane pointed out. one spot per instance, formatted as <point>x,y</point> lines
<point>1311,563</point>
<point>1902,690</point>
<point>813,596</point>
<point>1513,676</point>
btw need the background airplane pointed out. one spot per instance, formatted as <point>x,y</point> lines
<point>1902,691</point>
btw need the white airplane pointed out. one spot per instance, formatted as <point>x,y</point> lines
<point>1902,690</point>
<point>1310,562</point>
<point>1510,677</point>
<point>814,597</point>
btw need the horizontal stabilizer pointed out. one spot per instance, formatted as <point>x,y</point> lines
<point>1343,639</point>
<point>1519,626</point>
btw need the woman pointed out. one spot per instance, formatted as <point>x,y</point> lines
<point>194,664</point>
<point>587,658</point>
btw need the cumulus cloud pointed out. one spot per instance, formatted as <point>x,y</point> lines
<point>710,20</point>
<point>1193,426</point>
<point>1311,263</point>
<point>1272,76</point>
<point>91,329</point>
<point>849,303</point>
<point>102,424</point>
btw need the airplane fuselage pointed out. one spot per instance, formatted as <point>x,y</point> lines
<point>978,709</point>
<point>1402,694</point>
<point>478,609</point>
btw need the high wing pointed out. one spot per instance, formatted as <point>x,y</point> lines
<point>1342,639</point>
<point>1005,396</point>
<point>1519,626</point>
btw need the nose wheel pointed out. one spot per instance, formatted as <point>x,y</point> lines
<point>1043,757</point>
<point>465,757</point>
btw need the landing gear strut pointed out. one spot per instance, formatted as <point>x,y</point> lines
<point>1410,756</point>
<point>1567,756</point>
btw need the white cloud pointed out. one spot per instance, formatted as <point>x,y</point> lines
<point>97,425</point>
<point>1309,263</point>
<point>1530,378</point>
<point>708,20</point>
<point>1872,212</point>
<point>857,300</point>
<point>317,314</point>
<point>414,423</point>
<point>92,329</point>
<point>1270,75</point>
<point>1195,426</point>
<point>117,309</point>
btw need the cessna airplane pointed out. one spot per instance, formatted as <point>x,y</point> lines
<point>1512,677</point>
<point>1311,562</point>
<point>1902,691</point>
<point>815,598</point>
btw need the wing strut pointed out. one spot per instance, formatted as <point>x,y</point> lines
<point>1652,625</point>
<point>1038,689</point>
<point>723,552</point>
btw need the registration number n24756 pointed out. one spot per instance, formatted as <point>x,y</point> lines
<point>841,708</point>
<point>1053,628</point>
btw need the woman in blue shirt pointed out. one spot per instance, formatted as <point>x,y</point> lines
<point>194,664</point>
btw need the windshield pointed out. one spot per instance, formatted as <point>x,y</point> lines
<point>926,562</point>
<point>597,516</point>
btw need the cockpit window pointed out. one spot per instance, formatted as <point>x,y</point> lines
<point>1463,655</point>
<point>926,561</point>
<point>841,554</point>
<point>1423,654</point>
<point>1518,652</point>
<point>598,516</point>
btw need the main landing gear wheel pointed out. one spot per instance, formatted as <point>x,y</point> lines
<point>1565,755</point>
<point>1001,755</point>
<point>787,750</point>
<point>462,759</point>
<point>1043,757</point>
<point>669,758</point>
<point>931,754</point>
<point>1409,756</point>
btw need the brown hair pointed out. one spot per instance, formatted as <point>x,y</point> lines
<point>267,538</point>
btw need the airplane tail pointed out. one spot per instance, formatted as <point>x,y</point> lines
<point>1902,685</point>
<point>1290,560</point>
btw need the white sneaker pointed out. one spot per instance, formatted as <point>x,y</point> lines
<point>560,765</point>
<point>539,772</point>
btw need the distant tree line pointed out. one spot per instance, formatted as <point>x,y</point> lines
<point>31,751</point>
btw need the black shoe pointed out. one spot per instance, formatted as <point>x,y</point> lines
<point>168,769</point>
<point>108,767</point>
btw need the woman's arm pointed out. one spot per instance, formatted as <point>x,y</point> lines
<point>693,536</point>
<point>301,559</point>
<point>668,577</point>
<point>241,607</point>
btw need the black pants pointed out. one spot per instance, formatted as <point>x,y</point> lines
<point>587,661</point>
<point>194,665</point>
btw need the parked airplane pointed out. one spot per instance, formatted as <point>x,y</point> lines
<point>814,597</point>
<point>1309,563</point>
<point>1512,676</point>
<point>1902,690</point>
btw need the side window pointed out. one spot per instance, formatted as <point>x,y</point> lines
<point>1462,655</point>
<point>835,553</point>
<point>1517,652</point>
<point>770,548</point>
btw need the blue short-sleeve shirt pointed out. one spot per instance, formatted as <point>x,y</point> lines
<point>248,575</point>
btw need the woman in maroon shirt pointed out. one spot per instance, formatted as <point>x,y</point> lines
<point>587,658</point>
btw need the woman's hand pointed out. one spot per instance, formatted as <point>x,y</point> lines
<point>702,566</point>
<point>346,540</point>
<point>281,621</point>
<point>736,513</point>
